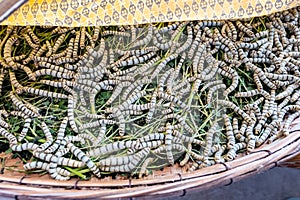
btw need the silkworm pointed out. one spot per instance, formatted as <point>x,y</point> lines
<point>141,145</point>
<point>53,166</point>
<point>40,52</point>
<point>152,107</point>
<point>244,29</point>
<point>96,33</point>
<point>57,84</point>
<point>97,86</point>
<point>71,113</point>
<point>187,155</point>
<point>82,98</point>
<point>251,144</point>
<point>48,135</point>
<point>262,76</point>
<point>209,139</point>
<point>44,93</point>
<point>49,47</point>
<point>45,166</point>
<point>149,137</point>
<point>29,41</point>
<point>148,67</point>
<point>21,106</point>
<point>116,160</point>
<point>218,154</point>
<point>277,42</point>
<point>54,73</point>
<point>76,44</point>
<point>172,99</point>
<point>236,109</point>
<point>145,40</point>
<point>188,139</point>
<point>38,59</point>
<point>249,93</point>
<point>272,127</point>
<point>7,52</point>
<point>24,147</point>
<point>3,123</point>
<point>69,50</point>
<point>28,71</point>
<point>136,84</point>
<point>101,134</point>
<point>289,90</point>
<point>199,56</point>
<point>212,90</point>
<point>168,143</point>
<point>92,43</point>
<point>229,132</point>
<point>96,124</point>
<point>266,112</point>
<point>162,148</point>
<point>234,83</point>
<point>231,154</point>
<point>134,60</point>
<point>61,30</point>
<point>162,65</point>
<point>282,77</point>
<point>141,107</point>
<point>136,158</point>
<point>58,43</point>
<point>63,60</point>
<point>187,43</point>
<point>111,147</point>
<point>285,109</point>
<point>210,84</point>
<point>60,160</point>
<point>257,82</point>
<point>288,121</point>
<point>115,33</point>
<point>82,37</point>
<point>25,129</point>
<point>32,34</point>
<point>2,76</point>
<point>31,56</point>
<point>181,121</point>
<point>9,136</point>
<point>295,96</point>
<point>59,137</point>
<point>169,27</point>
<point>195,165</point>
<point>13,80</point>
<point>137,52</point>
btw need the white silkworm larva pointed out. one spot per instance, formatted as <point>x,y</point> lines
<point>25,129</point>
<point>85,159</point>
<point>229,132</point>
<point>9,136</point>
<point>44,93</point>
<point>45,166</point>
<point>59,137</point>
<point>168,143</point>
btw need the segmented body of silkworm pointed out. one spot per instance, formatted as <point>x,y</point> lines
<point>129,99</point>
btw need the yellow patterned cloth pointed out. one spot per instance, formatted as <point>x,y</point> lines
<point>122,12</point>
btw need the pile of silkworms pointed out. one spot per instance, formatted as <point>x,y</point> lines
<point>132,98</point>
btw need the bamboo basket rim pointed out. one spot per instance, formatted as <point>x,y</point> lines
<point>261,159</point>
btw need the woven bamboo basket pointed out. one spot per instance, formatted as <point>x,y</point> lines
<point>172,181</point>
